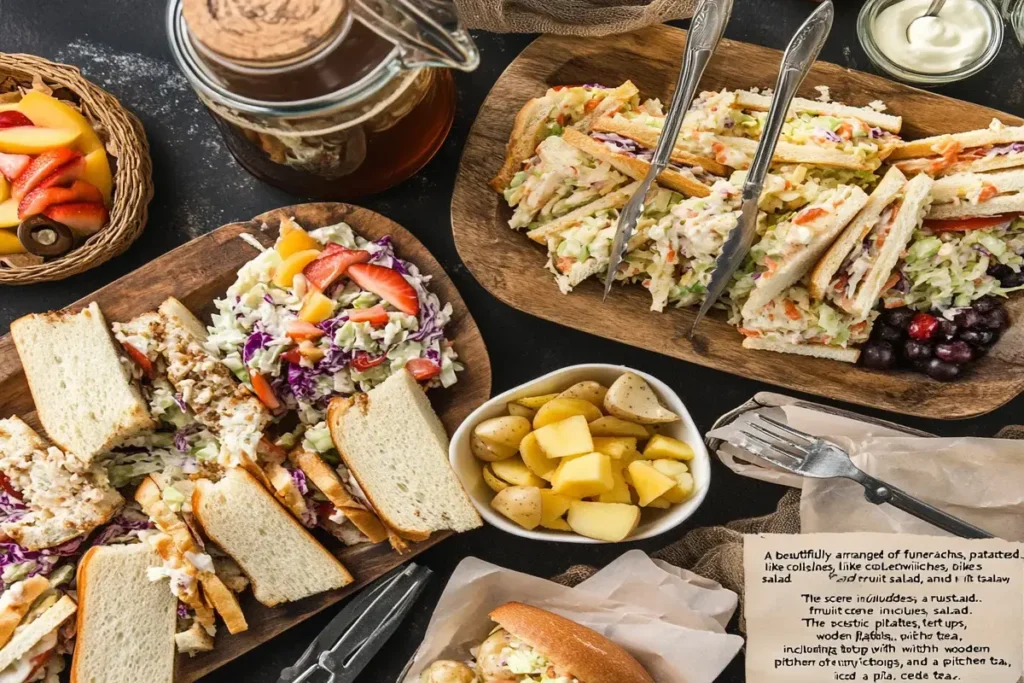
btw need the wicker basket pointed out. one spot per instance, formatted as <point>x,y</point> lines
<point>127,148</point>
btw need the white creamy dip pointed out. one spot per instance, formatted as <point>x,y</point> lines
<point>933,45</point>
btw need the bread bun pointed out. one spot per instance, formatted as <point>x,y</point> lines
<point>586,654</point>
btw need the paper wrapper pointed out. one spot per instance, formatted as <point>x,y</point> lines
<point>978,480</point>
<point>670,619</point>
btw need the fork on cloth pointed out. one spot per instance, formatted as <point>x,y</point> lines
<point>801,453</point>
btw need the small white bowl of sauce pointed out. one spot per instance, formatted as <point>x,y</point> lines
<point>961,41</point>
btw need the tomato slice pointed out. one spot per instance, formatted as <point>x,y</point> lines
<point>422,369</point>
<point>968,224</point>
<point>140,359</point>
<point>363,362</point>
<point>7,486</point>
<point>375,315</point>
<point>264,391</point>
<point>293,356</point>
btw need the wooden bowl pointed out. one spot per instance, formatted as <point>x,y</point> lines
<point>127,151</point>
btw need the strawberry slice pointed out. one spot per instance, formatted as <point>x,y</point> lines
<point>41,198</point>
<point>12,165</point>
<point>41,167</point>
<point>84,218</point>
<point>332,264</point>
<point>376,316</point>
<point>422,369</point>
<point>388,284</point>
<point>264,392</point>
<point>362,362</point>
<point>293,356</point>
<point>10,119</point>
<point>66,174</point>
<point>140,359</point>
<point>300,330</point>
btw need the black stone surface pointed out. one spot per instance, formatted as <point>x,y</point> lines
<point>120,45</point>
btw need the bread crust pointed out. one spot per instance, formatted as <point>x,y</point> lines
<point>648,137</point>
<point>14,610</point>
<point>81,581</point>
<point>613,200</point>
<point>587,654</point>
<point>926,147</point>
<point>846,355</point>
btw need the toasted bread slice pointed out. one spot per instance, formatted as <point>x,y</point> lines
<point>326,479</point>
<point>239,515</point>
<point>397,450</point>
<point>975,188</point>
<point>45,624</point>
<point>86,398</point>
<point>997,206</point>
<point>635,168</point>
<point>789,153</point>
<point>15,603</point>
<point>995,134</point>
<point>283,486</point>
<point>800,105</point>
<point>126,622</point>
<point>612,200</point>
<point>648,137</point>
<point>528,128</point>
<point>846,355</point>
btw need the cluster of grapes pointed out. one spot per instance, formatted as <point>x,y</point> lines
<point>931,344</point>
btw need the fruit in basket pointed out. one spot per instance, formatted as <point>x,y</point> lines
<point>521,504</point>
<point>44,166</point>
<point>10,244</point>
<point>9,214</point>
<point>84,218</point>
<point>504,432</point>
<point>40,199</point>
<point>5,189</point>
<point>12,165</point>
<point>10,119</point>
<point>593,392</point>
<point>570,436</point>
<point>611,522</point>
<point>47,111</point>
<point>97,172</point>
<point>631,398</point>
<point>34,139</point>
<point>558,409</point>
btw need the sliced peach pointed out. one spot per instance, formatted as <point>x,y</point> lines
<point>35,140</point>
<point>49,112</point>
<point>5,189</point>
<point>10,244</point>
<point>293,265</point>
<point>97,172</point>
<point>9,106</point>
<point>316,308</point>
<point>9,214</point>
<point>294,241</point>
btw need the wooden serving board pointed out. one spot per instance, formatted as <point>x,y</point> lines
<point>511,266</point>
<point>197,273</point>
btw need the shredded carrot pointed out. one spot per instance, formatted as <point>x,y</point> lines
<point>561,118</point>
<point>891,282</point>
<point>591,105</point>
<point>670,257</point>
<point>987,192</point>
<point>949,151</point>
<point>565,264</point>
<point>792,312</point>
<point>859,326</point>
<point>770,265</point>
<point>808,215</point>
<point>845,130</point>
<point>746,332</point>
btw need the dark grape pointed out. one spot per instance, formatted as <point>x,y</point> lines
<point>977,337</point>
<point>878,355</point>
<point>999,271</point>
<point>922,326</point>
<point>957,352</point>
<point>986,304</point>
<point>968,318</point>
<point>1012,280</point>
<point>948,330</point>
<point>996,319</point>
<point>943,371</point>
<point>889,333</point>
<point>916,351</point>
<point>899,317</point>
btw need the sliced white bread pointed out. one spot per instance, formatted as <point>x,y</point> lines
<point>996,134</point>
<point>824,230</point>
<point>326,480</point>
<point>1008,203</point>
<point>800,105</point>
<point>45,624</point>
<point>883,195</point>
<point>85,396</point>
<point>812,155</point>
<point>972,188</point>
<point>397,450</point>
<point>847,355</point>
<point>283,561</point>
<point>64,501</point>
<point>15,602</point>
<point>916,200</point>
<point>527,130</point>
<point>648,137</point>
<point>612,200</point>
<point>126,622</point>
<point>636,169</point>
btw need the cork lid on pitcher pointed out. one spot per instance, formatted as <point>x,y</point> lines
<point>264,32</point>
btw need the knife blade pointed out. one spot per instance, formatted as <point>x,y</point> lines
<point>803,50</point>
<point>706,30</point>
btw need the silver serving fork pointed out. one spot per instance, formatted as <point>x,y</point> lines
<point>798,452</point>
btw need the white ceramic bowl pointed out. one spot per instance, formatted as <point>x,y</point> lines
<point>653,521</point>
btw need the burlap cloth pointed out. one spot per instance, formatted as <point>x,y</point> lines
<point>717,552</point>
<point>569,17</point>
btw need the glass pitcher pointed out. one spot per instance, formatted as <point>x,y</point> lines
<point>333,99</point>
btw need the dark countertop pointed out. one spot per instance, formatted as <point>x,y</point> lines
<point>120,45</point>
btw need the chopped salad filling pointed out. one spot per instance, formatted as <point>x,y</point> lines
<point>859,261</point>
<point>568,104</point>
<point>797,318</point>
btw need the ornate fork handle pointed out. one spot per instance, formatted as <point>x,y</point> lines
<point>877,492</point>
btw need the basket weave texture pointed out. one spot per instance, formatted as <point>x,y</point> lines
<point>126,145</point>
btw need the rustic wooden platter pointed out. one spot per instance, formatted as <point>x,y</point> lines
<point>201,270</point>
<point>511,266</point>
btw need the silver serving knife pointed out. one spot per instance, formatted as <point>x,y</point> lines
<point>706,30</point>
<point>796,63</point>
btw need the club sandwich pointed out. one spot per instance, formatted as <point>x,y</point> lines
<point>991,149</point>
<point>32,614</point>
<point>859,266</point>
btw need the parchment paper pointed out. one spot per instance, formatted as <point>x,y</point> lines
<point>979,480</point>
<point>670,619</point>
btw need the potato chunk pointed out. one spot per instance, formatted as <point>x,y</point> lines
<point>661,446</point>
<point>589,475</point>
<point>521,504</point>
<point>615,447</point>
<point>553,506</point>
<point>557,524</point>
<point>505,432</point>
<point>631,398</point>
<point>611,522</point>
<point>568,437</point>
<point>648,482</point>
<point>558,409</point>
<point>620,489</point>
<point>535,458</point>
<point>615,426</point>
<point>680,474</point>
<point>497,485</point>
<point>488,453</point>
<point>594,392</point>
<point>520,410</point>
<point>515,472</point>
<point>535,402</point>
